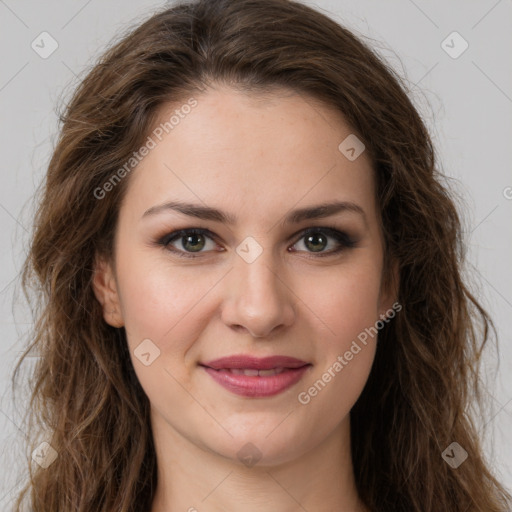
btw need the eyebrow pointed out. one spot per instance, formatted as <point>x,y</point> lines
<point>198,211</point>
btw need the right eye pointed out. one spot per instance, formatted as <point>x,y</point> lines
<point>192,240</point>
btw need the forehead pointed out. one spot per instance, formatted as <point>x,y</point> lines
<point>252,152</point>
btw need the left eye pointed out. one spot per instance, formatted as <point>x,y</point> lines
<point>193,240</point>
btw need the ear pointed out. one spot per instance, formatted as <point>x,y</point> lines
<point>389,288</point>
<point>105,288</point>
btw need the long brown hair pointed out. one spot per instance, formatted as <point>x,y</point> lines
<point>85,396</point>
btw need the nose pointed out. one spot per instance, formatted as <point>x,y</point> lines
<point>258,298</point>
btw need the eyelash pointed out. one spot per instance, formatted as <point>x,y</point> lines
<point>345,241</point>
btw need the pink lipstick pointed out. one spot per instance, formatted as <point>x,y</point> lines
<point>256,377</point>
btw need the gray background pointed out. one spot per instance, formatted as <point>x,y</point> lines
<point>466,102</point>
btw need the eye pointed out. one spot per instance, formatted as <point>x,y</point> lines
<point>317,239</point>
<point>184,243</point>
<point>189,241</point>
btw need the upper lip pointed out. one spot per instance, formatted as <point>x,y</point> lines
<point>256,363</point>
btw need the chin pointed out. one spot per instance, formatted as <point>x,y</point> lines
<point>253,446</point>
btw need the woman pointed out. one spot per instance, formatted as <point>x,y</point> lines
<point>242,201</point>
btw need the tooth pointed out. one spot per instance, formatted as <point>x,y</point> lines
<point>272,371</point>
<point>251,372</point>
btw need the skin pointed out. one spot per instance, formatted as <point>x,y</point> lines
<point>255,158</point>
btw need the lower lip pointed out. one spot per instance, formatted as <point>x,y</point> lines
<point>255,387</point>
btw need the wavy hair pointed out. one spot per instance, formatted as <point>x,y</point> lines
<point>84,390</point>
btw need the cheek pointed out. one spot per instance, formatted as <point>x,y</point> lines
<point>162,303</point>
<point>345,307</point>
<point>344,301</point>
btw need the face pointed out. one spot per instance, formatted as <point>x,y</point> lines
<point>253,284</point>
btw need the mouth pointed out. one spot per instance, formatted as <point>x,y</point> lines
<point>253,377</point>
<point>250,372</point>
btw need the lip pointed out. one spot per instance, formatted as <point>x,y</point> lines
<point>290,370</point>
<point>254,363</point>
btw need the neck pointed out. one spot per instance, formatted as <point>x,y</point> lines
<point>192,479</point>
